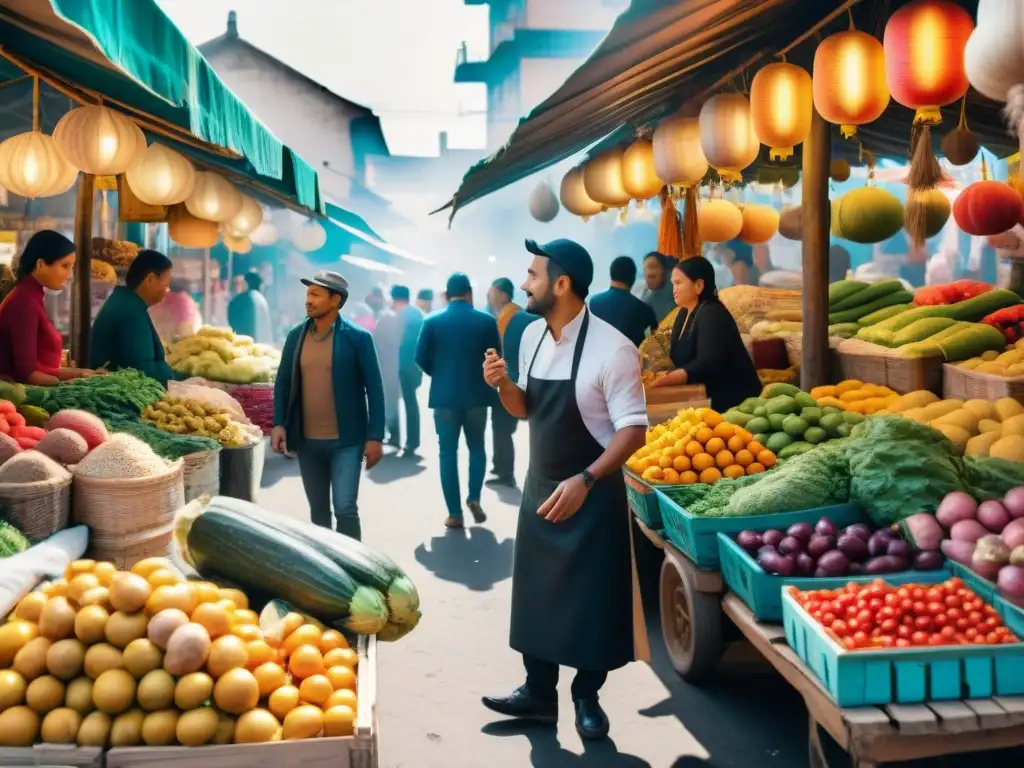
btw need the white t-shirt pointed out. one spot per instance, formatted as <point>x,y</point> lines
<point>609,393</point>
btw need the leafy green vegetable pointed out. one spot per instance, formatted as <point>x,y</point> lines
<point>12,541</point>
<point>702,500</point>
<point>990,478</point>
<point>124,392</point>
<point>164,444</point>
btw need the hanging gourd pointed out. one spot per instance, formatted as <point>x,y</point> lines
<point>791,222</point>
<point>98,140</point>
<point>574,197</point>
<point>727,134</point>
<point>639,178</point>
<point>867,215</point>
<point>987,208</point>
<point>719,220</point>
<point>961,146</point>
<point>840,171</point>
<point>160,176</point>
<point>188,230</point>
<point>781,107</point>
<point>213,198</point>
<point>849,80</point>
<point>934,210</point>
<point>602,178</point>
<point>543,203</point>
<point>760,224</point>
<point>678,156</point>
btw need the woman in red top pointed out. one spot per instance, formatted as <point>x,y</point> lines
<point>31,349</point>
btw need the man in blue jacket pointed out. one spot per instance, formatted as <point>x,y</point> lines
<point>451,348</point>
<point>329,404</point>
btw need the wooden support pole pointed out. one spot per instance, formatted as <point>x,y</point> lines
<point>81,303</point>
<point>817,156</point>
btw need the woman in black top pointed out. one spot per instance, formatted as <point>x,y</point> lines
<point>706,344</point>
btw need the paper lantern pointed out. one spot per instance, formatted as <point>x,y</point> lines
<point>839,171</point>
<point>265,234</point>
<point>960,146</point>
<point>932,206</point>
<point>719,221</point>
<point>246,220</point>
<point>574,197</point>
<point>602,178</point>
<point>760,224</point>
<point>213,198</point>
<point>994,56</point>
<point>237,245</point>
<point>31,166</point>
<point>924,45</point>
<point>988,208</point>
<point>867,215</point>
<point>678,157</point>
<point>727,133</point>
<point>791,222</point>
<point>309,236</point>
<point>639,178</point>
<point>543,203</point>
<point>781,107</point>
<point>849,80</point>
<point>189,231</point>
<point>160,176</point>
<point>98,140</point>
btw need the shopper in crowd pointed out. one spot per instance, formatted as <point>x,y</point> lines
<point>706,344</point>
<point>512,321</point>
<point>425,300</point>
<point>375,301</point>
<point>387,336</point>
<point>123,334</point>
<point>410,377</point>
<point>248,312</point>
<point>579,388</point>
<point>451,345</point>
<point>31,348</point>
<point>329,404</point>
<point>657,291</point>
<point>618,307</point>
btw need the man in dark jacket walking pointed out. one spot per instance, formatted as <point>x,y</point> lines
<point>619,308</point>
<point>451,345</point>
<point>329,404</point>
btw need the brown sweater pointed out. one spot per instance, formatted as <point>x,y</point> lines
<point>319,414</point>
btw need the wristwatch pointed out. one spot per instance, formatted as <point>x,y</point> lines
<point>588,479</point>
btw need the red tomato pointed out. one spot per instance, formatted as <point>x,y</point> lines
<point>948,632</point>
<point>887,642</point>
<point>979,640</point>
<point>889,626</point>
<point>951,601</point>
<point>906,605</point>
<point>989,610</point>
<point>992,638</point>
<point>903,593</point>
<point>917,594</point>
<point>892,599</point>
<point>935,608</point>
<point>923,622</point>
<point>970,633</point>
<point>828,619</point>
<point>849,643</point>
<point>974,617</point>
<point>940,620</point>
<point>875,603</point>
<point>865,617</point>
<point>1009,639</point>
<point>812,605</point>
<point>953,614</point>
<point>853,625</point>
<point>920,608</point>
<point>860,638</point>
<point>904,631</point>
<point>902,642</point>
<point>5,428</point>
<point>839,627</point>
<point>963,624</point>
<point>919,638</point>
<point>888,612</point>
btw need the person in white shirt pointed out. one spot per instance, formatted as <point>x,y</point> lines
<point>579,389</point>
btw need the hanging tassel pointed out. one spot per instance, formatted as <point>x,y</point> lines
<point>925,171</point>
<point>691,245</point>
<point>669,242</point>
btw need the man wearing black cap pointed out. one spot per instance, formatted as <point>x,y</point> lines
<point>620,308</point>
<point>512,321</point>
<point>329,404</point>
<point>579,388</point>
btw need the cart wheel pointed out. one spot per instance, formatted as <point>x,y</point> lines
<point>691,623</point>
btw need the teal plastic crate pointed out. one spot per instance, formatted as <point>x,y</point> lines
<point>643,503</point>
<point>1011,615</point>
<point>762,592</point>
<point>904,675</point>
<point>696,538</point>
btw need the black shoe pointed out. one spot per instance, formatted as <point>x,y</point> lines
<point>479,516</point>
<point>591,721</point>
<point>523,705</point>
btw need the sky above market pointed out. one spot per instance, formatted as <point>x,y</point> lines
<point>395,56</point>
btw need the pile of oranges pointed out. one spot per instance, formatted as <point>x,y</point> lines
<point>715,449</point>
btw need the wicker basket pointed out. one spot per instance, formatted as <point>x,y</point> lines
<point>127,508</point>
<point>965,384</point>
<point>899,373</point>
<point>124,552</point>
<point>37,509</point>
<point>201,474</point>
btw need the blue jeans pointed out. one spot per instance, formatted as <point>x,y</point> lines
<point>330,470</point>
<point>450,423</point>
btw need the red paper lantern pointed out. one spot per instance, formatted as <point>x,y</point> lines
<point>924,45</point>
<point>988,208</point>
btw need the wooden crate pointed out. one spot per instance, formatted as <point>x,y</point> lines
<point>51,756</point>
<point>357,751</point>
<point>663,403</point>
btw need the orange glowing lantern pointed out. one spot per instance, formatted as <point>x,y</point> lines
<point>781,106</point>
<point>924,56</point>
<point>849,80</point>
<point>639,178</point>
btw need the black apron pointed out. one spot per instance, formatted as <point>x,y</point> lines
<point>572,597</point>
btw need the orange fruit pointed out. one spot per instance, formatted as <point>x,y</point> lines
<point>670,452</point>
<point>733,471</point>
<point>680,445</point>
<point>715,446</point>
<point>755,468</point>
<point>244,616</point>
<point>339,721</point>
<point>248,632</point>
<point>725,430</point>
<point>744,457</point>
<point>681,463</point>
<point>653,473</point>
<point>766,457</point>
<point>710,417</point>
<point>724,459</point>
<point>307,634</point>
<point>270,677</point>
<point>736,443</point>
<point>306,661</point>
<point>688,478</point>
<point>710,475</point>
<point>259,653</point>
<point>283,700</point>
<point>754,447</point>
<point>702,461</point>
<point>345,657</point>
<point>670,476</point>
<point>214,618</point>
<point>744,435</point>
<point>332,639</point>
<point>342,697</point>
<point>342,677</point>
<point>693,448</point>
<point>315,689</point>
<point>703,435</point>
<point>664,462</point>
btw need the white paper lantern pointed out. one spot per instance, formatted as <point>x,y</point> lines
<point>31,166</point>
<point>678,157</point>
<point>309,236</point>
<point>574,195</point>
<point>602,178</point>
<point>98,140</point>
<point>543,203</point>
<point>161,176</point>
<point>265,234</point>
<point>727,133</point>
<point>238,245</point>
<point>246,220</point>
<point>213,198</point>
<point>994,56</point>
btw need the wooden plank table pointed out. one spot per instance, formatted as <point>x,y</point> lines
<point>893,733</point>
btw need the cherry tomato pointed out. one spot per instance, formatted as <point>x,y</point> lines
<point>892,599</point>
<point>828,619</point>
<point>923,622</point>
<point>953,614</point>
<point>849,643</point>
<point>903,593</point>
<point>904,631</point>
<point>919,638</point>
<point>860,638</point>
<point>951,601</point>
<point>970,633</point>
<point>940,620</point>
<point>889,626</point>
<point>902,642</point>
<point>979,640</point>
<point>935,608</point>
<point>839,627</point>
<point>916,594</point>
<point>853,625</point>
<point>963,624</point>
<point>992,638</point>
<point>875,603</point>
<point>885,641</point>
<point>888,612</point>
<point>1009,639</point>
<point>865,616</point>
<point>948,632</point>
<point>974,617</point>
<point>851,611</point>
<point>906,605</point>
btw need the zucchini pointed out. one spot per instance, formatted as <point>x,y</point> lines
<point>854,314</point>
<point>366,566</point>
<point>883,314</point>
<point>843,289</point>
<point>220,542</point>
<point>973,310</point>
<point>868,295</point>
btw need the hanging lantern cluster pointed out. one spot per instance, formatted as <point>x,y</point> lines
<point>781,107</point>
<point>160,176</point>
<point>213,198</point>
<point>574,197</point>
<point>543,203</point>
<point>98,140</point>
<point>727,134</point>
<point>249,216</point>
<point>849,80</point>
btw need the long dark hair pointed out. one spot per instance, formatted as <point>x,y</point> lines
<point>45,245</point>
<point>698,268</point>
